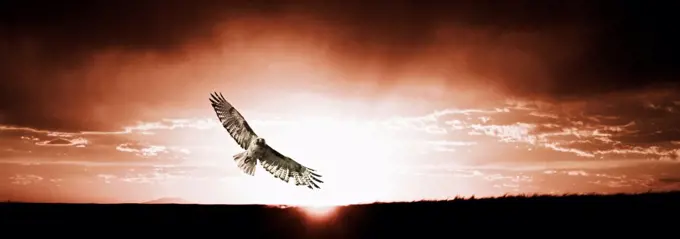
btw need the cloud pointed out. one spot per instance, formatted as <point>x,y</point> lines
<point>161,175</point>
<point>21,179</point>
<point>106,177</point>
<point>27,145</point>
<point>577,173</point>
<point>148,180</point>
<point>335,46</point>
<point>670,180</point>
<point>618,127</point>
<point>557,179</point>
<point>142,150</point>
<point>172,154</point>
<point>150,177</point>
<point>428,123</point>
<point>625,182</point>
<point>77,142</point>
<point>622,127</point>
<point>449,146</point>
<point>171,124</point>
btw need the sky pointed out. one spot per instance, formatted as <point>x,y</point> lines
<point>108,102</point>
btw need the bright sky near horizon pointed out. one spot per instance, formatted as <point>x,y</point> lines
<point>439,106</point>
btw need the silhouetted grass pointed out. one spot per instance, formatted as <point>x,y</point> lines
<point>507,214</point>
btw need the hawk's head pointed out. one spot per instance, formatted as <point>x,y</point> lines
<point>259,141</point>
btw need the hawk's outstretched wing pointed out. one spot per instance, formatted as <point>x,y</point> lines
<point>285,168</point>
<point>232,121</point>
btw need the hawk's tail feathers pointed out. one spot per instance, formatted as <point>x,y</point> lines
<point>245,163</point>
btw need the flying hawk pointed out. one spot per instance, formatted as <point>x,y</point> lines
<point>279,165</point>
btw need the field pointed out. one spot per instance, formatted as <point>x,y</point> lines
<point>531,215</point>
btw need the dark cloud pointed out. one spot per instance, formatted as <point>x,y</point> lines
<point>42,43</point>
<point>526,49</point>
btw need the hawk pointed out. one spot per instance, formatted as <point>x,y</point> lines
<point>256,149</point>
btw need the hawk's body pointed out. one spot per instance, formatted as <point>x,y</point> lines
<point>256,149</point>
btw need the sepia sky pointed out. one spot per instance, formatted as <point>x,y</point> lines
<point>108,102</point>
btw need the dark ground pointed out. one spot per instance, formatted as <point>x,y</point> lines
<point>541,216</point>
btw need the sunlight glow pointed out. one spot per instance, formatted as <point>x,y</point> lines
<point>346,153</point>
<point>356,161</point>
<point>319,212</point>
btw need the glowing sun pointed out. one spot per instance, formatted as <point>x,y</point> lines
<point>318,212</point>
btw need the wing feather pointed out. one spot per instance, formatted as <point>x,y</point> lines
<point>285,168</point>
<point>232,120</point>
